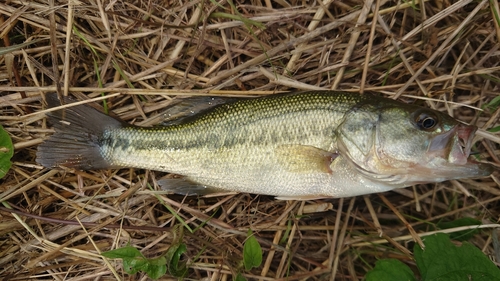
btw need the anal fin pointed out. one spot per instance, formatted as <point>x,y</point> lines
<point>184,186</point>
<point>302,198</point>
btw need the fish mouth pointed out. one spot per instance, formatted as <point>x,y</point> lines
<point>453,145</point>
<point>448,155</point>
<point>460,151</point>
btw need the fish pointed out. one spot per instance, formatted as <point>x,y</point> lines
<point>294,146</point>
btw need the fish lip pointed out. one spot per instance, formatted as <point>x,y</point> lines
<point>465,134</point>
<point>453,145</point>
<point>461,146</point>
<point>449,153</point>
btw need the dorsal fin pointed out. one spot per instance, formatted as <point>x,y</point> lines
<point>182,109</point>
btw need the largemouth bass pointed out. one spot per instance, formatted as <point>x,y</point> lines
<point>303,145</point>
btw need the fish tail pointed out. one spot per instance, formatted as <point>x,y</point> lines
<point>77,142</point>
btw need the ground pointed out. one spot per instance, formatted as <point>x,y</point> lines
<point>141,55</point>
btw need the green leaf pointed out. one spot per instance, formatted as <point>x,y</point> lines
<point>390,270</point>
<point>494,129</point>
<point>6,152</point>
<point>461,235</point>
<point>171,210</point>
<point>495,12</point>
<point>134,261</point>
<point>173,256</point>
<point>493,104</point>
<point>284,239</point>
<point>442,260</point>
<point>252,252</point>
<point>134,265</point>
<point>217,4</point>
<point>10,49</point>
<point>122,253</point>
<point>156,268</point>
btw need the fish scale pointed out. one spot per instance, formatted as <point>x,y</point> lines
<point>245,124</point>
<point>295,146</point>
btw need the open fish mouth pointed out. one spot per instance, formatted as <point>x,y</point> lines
<point>465,135</point>
<point>453,145</point>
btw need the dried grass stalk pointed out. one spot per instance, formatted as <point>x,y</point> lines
<point>140,55</point>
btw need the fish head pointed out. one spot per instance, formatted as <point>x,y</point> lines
<point>403,145</point>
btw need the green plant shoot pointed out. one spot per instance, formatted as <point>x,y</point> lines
<point>252,252</point>
<point>6,152</point>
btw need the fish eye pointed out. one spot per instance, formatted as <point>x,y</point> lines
<point>425,121</point>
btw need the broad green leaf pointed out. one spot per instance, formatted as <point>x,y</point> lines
<point>442,260</point>
<point>122,253</point>
<point>134,261</point>
<point>252,252</point>
<point>134,265</point>
<point>461,235</point>
<point>173,256</point>
<point>156,268</point>
<point>6,152</point>
<point>390,270</point>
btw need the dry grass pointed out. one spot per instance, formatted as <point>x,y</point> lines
<point>142,54</point>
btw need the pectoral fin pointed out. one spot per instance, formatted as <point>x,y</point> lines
<point>305,159</point>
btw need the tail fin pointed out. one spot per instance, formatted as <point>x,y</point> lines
<point>80,132</point>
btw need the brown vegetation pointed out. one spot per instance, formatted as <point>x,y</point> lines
<point>143,53</point>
